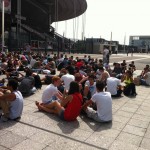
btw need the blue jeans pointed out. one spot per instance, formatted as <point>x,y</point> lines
<point>143,82</point>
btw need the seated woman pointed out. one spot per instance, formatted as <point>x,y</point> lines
<point>129,89</point>
<point>69,108</point>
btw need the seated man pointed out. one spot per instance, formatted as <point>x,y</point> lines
<point>11,103</point>
<point>67,78</point>
<point>89,88</point>
<point>124,66</point>
<point>27,83</point>
<point>117,71</point>
<point>145,78</point>
<point>114,86</point>
<point>143,71</point>
<point>103,102</point>
<point>51,92</point>
<point>132,67</point>
<point>104,75</point>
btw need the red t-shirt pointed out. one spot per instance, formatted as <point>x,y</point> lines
<point>79,64</point>
<point>73,108</point>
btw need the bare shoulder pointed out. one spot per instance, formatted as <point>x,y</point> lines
<point>69,97</point>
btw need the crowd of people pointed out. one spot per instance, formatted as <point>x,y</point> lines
<point>84,85</point>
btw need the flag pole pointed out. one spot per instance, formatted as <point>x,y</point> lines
<point>124,42</point>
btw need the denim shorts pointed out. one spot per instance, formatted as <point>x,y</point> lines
<point>61,114</point>
<point>48,102</point>
<point>143,82</point>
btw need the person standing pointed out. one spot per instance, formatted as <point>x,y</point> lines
<point>28,48</point>
<point>132,51</point>
<point>105,55</point>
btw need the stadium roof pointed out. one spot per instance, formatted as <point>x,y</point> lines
<point>60,9</point>
<point>40,13</point>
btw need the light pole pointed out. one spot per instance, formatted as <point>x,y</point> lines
<point>3,38</point>
<point>18,23</point>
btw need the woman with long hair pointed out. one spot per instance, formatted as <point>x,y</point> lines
<point>69,108</point>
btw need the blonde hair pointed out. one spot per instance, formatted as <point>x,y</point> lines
<point>55,78</point>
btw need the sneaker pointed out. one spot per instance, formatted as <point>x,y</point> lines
<point>85,99</point>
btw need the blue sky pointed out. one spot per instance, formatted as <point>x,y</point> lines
<point>121,17</point>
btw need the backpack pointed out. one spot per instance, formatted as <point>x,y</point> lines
<point>38,83</point>
<point>25,86</point>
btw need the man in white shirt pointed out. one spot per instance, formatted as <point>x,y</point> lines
<point>114,86</point>
<point>67,79</point>
<point>103,102</point>
<point>105,55</point>
<point>11,103</point>
<point>51,92</point>
<point>33,61</point>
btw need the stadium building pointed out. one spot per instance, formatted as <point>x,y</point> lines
<point>29,21</point>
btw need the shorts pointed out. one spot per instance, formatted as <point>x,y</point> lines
<point>61,114</point>
<point>48,102</point>
<point>143,82</point>
<point>52,99</point>
<point>91,113</point>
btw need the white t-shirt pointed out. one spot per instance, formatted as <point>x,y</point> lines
<point>112,84</point>
<point>32,62</point>
<point>98,74</point>
<point>67,78</point>
<point>106,51</point>
<point>16,106</point>
<point>92,88</point>
<point>103,102</point>
<point>49,92</point>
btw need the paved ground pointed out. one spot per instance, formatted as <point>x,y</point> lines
<point>129,130</point>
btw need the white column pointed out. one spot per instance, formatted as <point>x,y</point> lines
<point>124,43</point>
<point>110,46</point>
<point>3,30</point>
